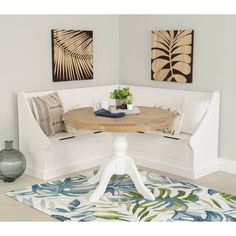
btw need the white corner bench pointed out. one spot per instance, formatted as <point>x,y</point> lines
<point>189,155</point>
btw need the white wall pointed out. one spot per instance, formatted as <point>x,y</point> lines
<point>214,63</point>
<point>25,58</point>
<point>121,54</point>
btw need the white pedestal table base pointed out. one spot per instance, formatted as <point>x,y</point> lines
<point>120,164</point>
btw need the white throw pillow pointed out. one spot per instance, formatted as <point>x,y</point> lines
<point>176,126</point>
<point>178,122</point>
<point>194,110</point>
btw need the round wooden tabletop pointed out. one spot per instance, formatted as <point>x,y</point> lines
<point>149,119</point>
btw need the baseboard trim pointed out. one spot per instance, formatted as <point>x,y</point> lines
<point>206,170</point>
<point>68,169</point>
<point>34,172</point>
<point>227,165</point>
<point>142,162</point>
<point>176,170</point>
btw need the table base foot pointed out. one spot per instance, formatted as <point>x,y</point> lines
<point>120,164</point>
<point>111,169</point>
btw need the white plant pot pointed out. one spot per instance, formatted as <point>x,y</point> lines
<point>130,107</point>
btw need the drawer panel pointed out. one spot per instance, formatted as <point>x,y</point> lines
<point>66,149</point>
<point>140,142</point>
<point>99,142</point>
<point>172,151</point>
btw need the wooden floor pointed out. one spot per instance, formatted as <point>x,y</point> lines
<point>11,210</point>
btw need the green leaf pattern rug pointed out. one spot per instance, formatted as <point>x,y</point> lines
<point>67,200</point>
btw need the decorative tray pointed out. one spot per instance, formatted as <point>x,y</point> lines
<point>135,110</point>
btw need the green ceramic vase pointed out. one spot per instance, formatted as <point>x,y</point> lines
<point>12,163</point>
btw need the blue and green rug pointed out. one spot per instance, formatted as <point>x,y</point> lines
<point>67,200</point>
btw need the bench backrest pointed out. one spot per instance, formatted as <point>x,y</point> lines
<point>82,97</point>
<point>143,96</point>
<point>148,96</point>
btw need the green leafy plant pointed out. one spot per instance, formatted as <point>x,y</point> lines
<point>122,96</point>
<point>130,100</point>
<point>121,93</point>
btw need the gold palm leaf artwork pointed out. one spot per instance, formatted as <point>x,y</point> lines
<point>72,52</point>
<point>172,55</point>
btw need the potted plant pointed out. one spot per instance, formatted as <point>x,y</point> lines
<point>130,105</point>
<point>121,96</point>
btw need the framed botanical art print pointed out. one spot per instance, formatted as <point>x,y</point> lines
<point>72,55</point>
<point>172,55</point>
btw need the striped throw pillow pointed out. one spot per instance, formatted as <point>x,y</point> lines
<point>48,113</point>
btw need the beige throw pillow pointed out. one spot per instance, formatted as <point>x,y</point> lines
<point>48,113</point>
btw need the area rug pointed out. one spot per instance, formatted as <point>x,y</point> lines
<point>67,200</point>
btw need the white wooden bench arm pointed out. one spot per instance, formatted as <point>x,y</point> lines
<point>204,141</point>
<point>32,136</point>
